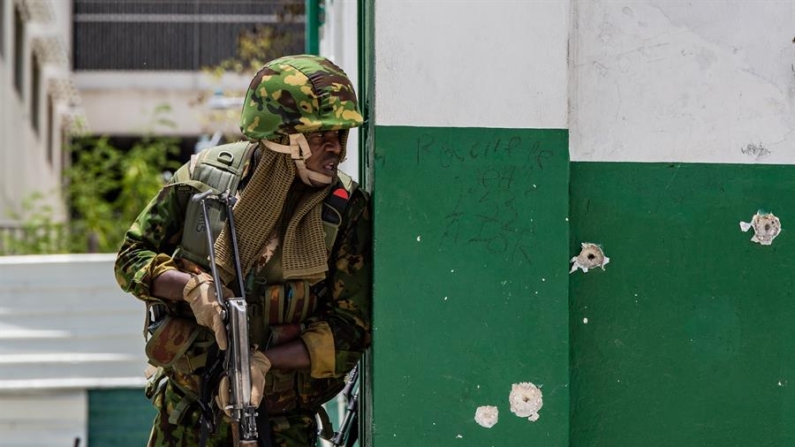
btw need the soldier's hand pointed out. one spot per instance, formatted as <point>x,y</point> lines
<point>199,292</point>
<point>260,365</point>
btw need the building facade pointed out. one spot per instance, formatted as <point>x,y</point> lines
<point>39,103</point>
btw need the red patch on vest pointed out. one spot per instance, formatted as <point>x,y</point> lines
<point>341,193</point>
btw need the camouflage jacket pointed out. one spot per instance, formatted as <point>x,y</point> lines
<point>335,327</point>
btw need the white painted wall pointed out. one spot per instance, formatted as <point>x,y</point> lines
<point>654,80</point>
<point>339,41</point>
<point>648,80</point>
<point>479,63</point>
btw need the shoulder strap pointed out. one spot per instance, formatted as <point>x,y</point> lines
<point>218,169</point>
<point>221,167</point>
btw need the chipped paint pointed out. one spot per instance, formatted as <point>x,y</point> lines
<point>766,227</point>
<point>487,416</point>
<point>526,400</point>
<point>591,256</point>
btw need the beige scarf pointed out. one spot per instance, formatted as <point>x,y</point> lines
<point>258,212</point>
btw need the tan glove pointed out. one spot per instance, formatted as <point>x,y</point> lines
<point>199,292</point>
<point>260,365</point>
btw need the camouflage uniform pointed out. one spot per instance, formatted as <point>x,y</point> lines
<point>335,326</point>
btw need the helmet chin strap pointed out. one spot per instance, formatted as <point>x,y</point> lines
<point>299,151</point>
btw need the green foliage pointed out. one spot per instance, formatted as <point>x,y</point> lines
<point>106,188</point>
<point>90,181</point>
<point>142,174</point>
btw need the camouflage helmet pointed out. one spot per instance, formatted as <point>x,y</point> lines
<point>298,94</point>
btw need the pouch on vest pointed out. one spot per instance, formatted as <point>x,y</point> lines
<point>172,338</point>
<point>179,405</point>
<point>331,224</point>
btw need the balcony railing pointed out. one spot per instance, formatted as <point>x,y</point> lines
<point>18,238</point>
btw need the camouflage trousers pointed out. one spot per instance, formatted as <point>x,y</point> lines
<point>293,429</point>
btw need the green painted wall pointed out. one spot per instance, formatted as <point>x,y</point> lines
<point>470,284</point>
<point>119,418</point>
<point>690,330</point>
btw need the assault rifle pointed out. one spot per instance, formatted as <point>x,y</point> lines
<point>237,358</point>
<point>348,432</point>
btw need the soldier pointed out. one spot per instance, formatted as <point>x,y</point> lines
<point>304,234</point>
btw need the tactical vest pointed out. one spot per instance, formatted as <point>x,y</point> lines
<point>220,169</point>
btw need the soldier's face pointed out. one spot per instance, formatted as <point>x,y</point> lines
<point>326,151</point>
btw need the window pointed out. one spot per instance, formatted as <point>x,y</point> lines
<point>64,142</point>
<point>50,128</point>
<point>178,34</point>
<point>19,46</point>
<point>2,29</point>
<point>35,90</point>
